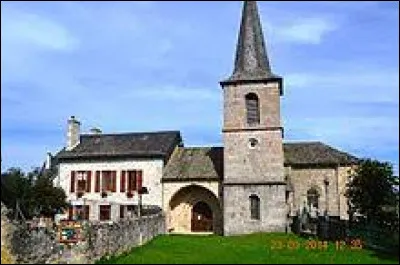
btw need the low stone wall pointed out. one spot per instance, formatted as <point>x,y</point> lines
<point>34,246</point>
<point>26,246</point>
<point>115,238</point>
<point>6,231</point>
<point>21,245</point>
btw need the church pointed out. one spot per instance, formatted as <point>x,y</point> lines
<point>254,182</point>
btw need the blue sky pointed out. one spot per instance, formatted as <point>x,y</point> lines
<point>148,66</point>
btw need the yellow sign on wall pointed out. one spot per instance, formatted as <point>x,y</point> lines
<point>70,232</point>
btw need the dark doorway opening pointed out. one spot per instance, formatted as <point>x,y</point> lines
<point>202,218</point>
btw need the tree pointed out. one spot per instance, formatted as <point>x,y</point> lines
<point>16,189</point>
<point>48,199</point>
<point>373,193</point>
<point>34,192</point>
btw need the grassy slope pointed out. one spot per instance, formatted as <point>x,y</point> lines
<point>255,248</point>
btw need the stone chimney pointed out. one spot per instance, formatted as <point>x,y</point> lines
<point>73,133</point>
<point>48,160</point>
<point>95,130</point>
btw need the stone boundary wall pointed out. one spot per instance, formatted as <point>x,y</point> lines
<point>101,240</point>
<point>116,238</point>
<point>33,246</point>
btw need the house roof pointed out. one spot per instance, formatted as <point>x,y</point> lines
<point>195,163</point>
<point>142,144</point>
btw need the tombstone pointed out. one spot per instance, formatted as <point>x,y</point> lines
<point>304,220</point>
<point>323,227</point>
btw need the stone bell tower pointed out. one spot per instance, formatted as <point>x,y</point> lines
<point>253,184</point>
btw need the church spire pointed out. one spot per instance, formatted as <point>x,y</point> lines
<point>251,63</point>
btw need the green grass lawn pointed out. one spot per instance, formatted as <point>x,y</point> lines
<point>255,248</point>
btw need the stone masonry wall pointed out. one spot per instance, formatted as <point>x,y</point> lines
<point>24,246</point>
<point>21,245</point>
<point>235,108</point>
<point>6,231</point>
<point>305,178</point>
<point>118,237</point>
<point>237,209</point>
<point>34,247</point>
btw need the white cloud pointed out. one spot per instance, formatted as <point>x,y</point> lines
<point>309,30</point>
<point>175,93</point>
<point>30,29</point>
<point>353,85</point>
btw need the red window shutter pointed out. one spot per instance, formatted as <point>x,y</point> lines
<point>139,179</point>
<point>114,181</point>
<point>72,181</point>
<point>70,212</point>
<point>121,211</point>
<point>129,180</point>
<point>88,181</point>
<point>123,181</point>
<point>97,186</point>
<point>86,212</point>
<point>134,180</point>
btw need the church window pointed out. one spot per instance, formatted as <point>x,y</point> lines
<point>253,142</point>
<point>255,207</point>
<point>312,198</point>
<point>252,109</point>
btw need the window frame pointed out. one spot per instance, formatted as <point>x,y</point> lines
<point>102,210</point>
<point>252,112</point>
<point>106,180</point>
<point>255,209</point>
<point>313,197</point>
<point>132,179</point>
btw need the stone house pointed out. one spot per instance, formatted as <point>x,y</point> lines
<point>254,182</point>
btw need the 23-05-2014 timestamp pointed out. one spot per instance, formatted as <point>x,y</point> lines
<point>353,244</point>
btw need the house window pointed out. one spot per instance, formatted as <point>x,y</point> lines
<point>81,177</point>
<point>81,212</point>
<point>108,181</point>
<point>80,180</point>
<point>122,211</point>
<point>255,207</point>
<point>252,109</point>
<point>105,212</point>
<point>131,210</point>
<point>132,180</point>
<point>81,185</point>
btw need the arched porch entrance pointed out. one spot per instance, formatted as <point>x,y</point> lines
<point>194,208</point>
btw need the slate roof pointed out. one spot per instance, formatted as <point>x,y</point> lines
<point>251,61</point>
<point>142,144</point>
<point>315,153</point>
<point>195,163</point>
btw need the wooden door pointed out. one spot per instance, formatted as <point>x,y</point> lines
<point>202,219</point>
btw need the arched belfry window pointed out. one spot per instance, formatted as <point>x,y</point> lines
<point>254,207</point>
<point>312,197</point>
<point>252,109</point>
